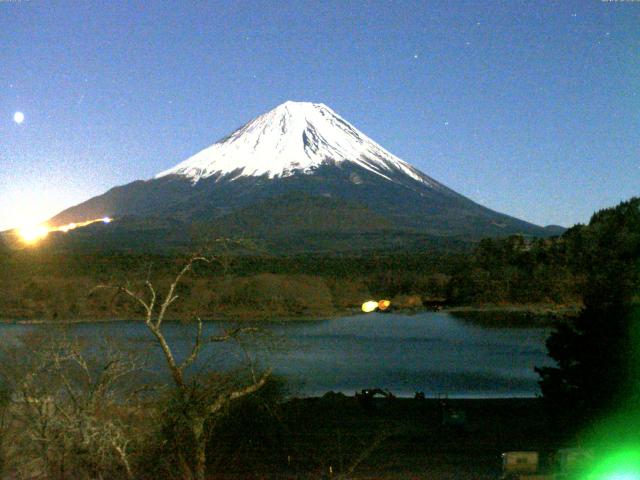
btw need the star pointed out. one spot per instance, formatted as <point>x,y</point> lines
<point>415,55</point>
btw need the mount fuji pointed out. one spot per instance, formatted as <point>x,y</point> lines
<point>298,177</point>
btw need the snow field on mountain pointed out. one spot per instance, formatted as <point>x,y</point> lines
<point>295,137</point>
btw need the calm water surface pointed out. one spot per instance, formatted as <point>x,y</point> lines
<point>436,353</point>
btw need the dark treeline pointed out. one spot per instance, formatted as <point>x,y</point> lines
<point>512,270</point>
<point>62,287</point>
<point>517,270</point>
<point>597,372</point>
<point>503,271</point>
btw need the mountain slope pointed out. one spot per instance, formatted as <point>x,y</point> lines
<point>304,149</point>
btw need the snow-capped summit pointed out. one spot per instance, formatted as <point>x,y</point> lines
<point>294,137</point>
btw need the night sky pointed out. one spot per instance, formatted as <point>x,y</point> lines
<point>531,108</point>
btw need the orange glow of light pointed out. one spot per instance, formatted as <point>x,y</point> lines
<point>32,234</point>
<point>383,304</point>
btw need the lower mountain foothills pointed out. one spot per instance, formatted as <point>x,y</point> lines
<point>512,273</point>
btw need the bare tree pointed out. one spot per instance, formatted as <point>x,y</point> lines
<point>218,394</point>
<point>67,406</point>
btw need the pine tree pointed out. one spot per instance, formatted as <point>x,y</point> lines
<point>597,353</point>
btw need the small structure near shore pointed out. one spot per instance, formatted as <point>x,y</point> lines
<point>365,397</point>
<point>435,303</point>
<point>519,465</point>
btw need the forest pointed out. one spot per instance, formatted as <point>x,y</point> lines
<point>499,272</point>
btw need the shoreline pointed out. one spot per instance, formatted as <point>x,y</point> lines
<point>522,313</point>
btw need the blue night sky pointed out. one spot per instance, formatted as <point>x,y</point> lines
<point>531,108</point>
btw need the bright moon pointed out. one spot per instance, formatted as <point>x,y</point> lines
<point>18,117</point>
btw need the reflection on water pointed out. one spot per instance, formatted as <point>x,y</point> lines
<point>431,352</point>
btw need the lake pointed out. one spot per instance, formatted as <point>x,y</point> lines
<point>432,352</point>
